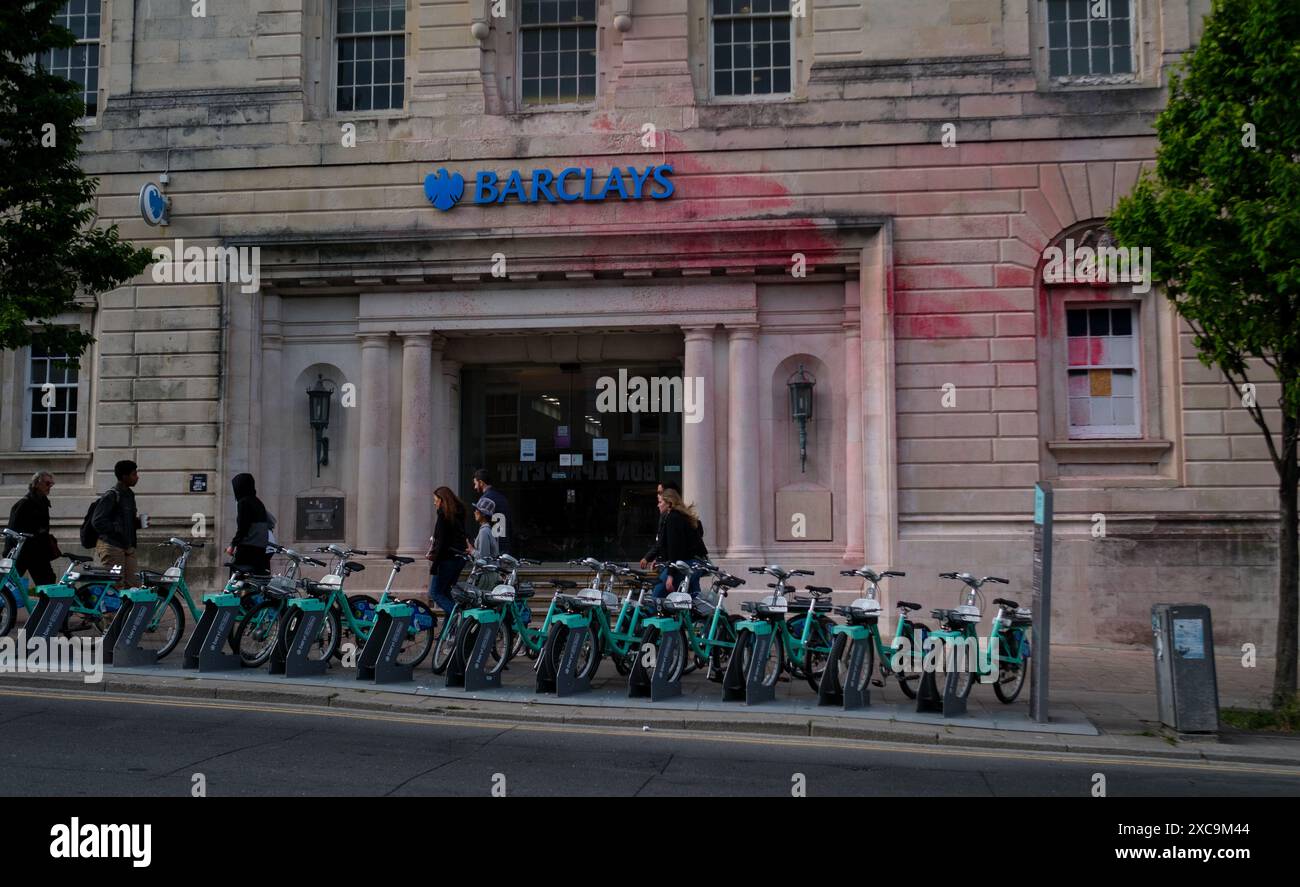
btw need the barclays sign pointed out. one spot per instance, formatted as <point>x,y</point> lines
<point>571,184</point>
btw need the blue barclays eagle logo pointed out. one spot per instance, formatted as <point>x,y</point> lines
<point>444,189</point>
<point>156,203</point>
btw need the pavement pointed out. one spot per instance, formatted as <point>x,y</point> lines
<point>1102,702</point>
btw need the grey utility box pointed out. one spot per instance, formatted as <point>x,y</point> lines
<point>1187,689</point>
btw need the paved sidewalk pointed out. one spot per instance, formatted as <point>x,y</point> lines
<point>1103,702</point>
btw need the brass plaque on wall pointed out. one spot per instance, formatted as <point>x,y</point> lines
<point>320,519</point>
<point>804,516</point>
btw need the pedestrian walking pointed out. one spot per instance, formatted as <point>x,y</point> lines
<point>501,525</point>
<point>253,526</point>
<point>116,521</point>
<point>31,515</point>
<point>447,547</point>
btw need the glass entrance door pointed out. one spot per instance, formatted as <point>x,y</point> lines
<point>580,482</point>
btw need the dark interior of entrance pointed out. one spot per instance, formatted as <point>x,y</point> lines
<point>529,424</point>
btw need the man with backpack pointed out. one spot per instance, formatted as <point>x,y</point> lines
<point>113,521</point>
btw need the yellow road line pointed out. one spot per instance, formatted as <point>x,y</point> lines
<point>659,733</point>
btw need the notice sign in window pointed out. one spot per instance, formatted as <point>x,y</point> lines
<point>528,449</point>
<point>600,449</point>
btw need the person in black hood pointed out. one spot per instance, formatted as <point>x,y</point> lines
<point>253,526</point>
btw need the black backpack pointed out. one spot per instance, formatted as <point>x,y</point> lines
<point>89,535</point>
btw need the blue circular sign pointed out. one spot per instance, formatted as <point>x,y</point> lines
<point>153,206</point>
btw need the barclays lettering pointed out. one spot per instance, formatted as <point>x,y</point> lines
<point>445,190</point>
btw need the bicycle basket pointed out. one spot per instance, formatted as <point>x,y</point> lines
<point>705,602</point>
<point>502,594</point>
<point>589,597</point>
<point>281,586</point>
<point>677,601</point>
<point>772,605</point>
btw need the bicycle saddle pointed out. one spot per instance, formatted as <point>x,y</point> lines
<point>564,583</point>
<point>400,561</point>
<point>908,605</point>
<point>79,558</point>
<point>731,582</point>
<point>819,589</point>
<point>1003,602</point>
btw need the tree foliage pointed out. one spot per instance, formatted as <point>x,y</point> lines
<point>50,248</point>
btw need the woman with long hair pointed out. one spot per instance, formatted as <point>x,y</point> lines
<point>447,547</point>
<point>683,540</point>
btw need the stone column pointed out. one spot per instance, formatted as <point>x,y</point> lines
<point>268,413</point>
<point>372,473</point>
<point>415,493</point>
<point>436,453</point>
<point>451,425</point>
<point>699,473</point>
<point>855,514</point>
<point>743,481</point>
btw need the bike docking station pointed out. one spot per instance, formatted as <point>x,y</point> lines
<point>949,703</point>
<point>471,673</point>
<point>53,605</point>
<point>378,658</point>
<point>565,681</point>
<point>741,685</point>
<point>853,691</point>
<point>122,640</point>
<point>205,649</point>
<point>650,672</point>
<point>289,656</point>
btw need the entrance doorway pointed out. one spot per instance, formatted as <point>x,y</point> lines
<point>529,425</point>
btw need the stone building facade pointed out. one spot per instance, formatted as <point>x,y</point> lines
<point>864,191</point>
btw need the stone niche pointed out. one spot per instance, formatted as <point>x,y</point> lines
<point>320,515</point>
<point>804,514</point>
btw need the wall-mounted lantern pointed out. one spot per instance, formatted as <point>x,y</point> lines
<point>318,409</point>
<point>801,385</point>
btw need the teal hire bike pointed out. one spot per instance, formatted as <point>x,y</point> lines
<point>801,628</point>
<point>1003,657</point>
<point>96,600</point>
<point>896,659</point>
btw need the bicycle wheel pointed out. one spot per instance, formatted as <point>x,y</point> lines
<point>419,635</point>
<point>8,611</point>
<point>588,659</point>
<point>842,655</point>
<point>442,650</point>
<point>961,678</point>
<point>771,667</point>
<point>1011,675</point>
<point>498,656</point>
<point>362,607</point>
<point>676,666</point>
<point>908,679</point>
<point>256,635</point>
<point>327,642</point>
<point>817,652</point>
<point>165,629</point>
<point>720,656</point>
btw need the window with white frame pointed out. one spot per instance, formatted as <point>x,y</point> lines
<point>50,422</point>
<point>1102,370</point>
<point>1089,38</point>
<point>79,63</point>
<point>557,51</point>
<point>750,45</point>
<point>370,43</point>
